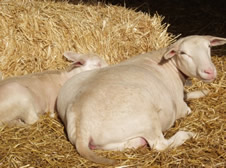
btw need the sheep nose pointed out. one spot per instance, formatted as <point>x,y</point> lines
<point>207,74</point>
<point>209,71</point>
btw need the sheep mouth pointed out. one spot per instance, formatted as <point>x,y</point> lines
<point>207,80</point>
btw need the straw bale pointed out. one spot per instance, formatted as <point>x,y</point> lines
<point>33,36</point>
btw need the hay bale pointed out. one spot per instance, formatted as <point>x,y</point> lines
<point>33,36</point>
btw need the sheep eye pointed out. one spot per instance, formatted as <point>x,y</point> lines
<point>182,52</point>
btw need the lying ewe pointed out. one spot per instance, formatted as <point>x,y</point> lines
<point>132,103</point>
<point>23,98</point>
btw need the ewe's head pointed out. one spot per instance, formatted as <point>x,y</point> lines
<point>192,56</point>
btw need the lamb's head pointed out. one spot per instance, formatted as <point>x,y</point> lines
<point>193,58</point>
<point>94,62</point>
<point>85,61</point>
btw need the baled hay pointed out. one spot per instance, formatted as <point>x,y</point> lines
<point>33,36</point>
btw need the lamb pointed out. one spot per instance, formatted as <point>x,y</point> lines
<point>24,98</point>
<point>130,104</point>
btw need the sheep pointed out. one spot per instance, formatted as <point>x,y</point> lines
<point>131,104</point>
<point>24,98</point>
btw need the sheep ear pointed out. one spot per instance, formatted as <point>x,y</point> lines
<point>171,52</point>
<point>216,41</point>
<point>75,57</point>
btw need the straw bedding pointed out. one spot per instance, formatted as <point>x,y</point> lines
<point>33,36</point>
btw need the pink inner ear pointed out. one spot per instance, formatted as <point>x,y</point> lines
<point>172,52</point>
<point>214,42</point>
<point>78,64</point>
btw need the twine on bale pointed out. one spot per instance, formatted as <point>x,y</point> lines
<point>33,37</point>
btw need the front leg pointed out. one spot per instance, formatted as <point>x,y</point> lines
<point>183,110</point>
<point>195,94</point>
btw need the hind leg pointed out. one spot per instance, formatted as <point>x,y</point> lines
<point>120,146</point>
<point>135,143</point>
<point>12,123</point>
<point>31,118</point>
<point>18,115</point>
<point>160,143</point>
<point>156,140</point>
<point>71,125</point>
<point>19,107</point>
<point>17,122</point>
<point>30,115</point>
